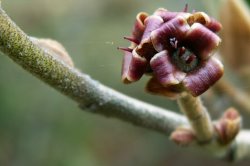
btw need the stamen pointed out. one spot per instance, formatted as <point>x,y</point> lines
<point>182,51</point>
<point>184,59</point>
<point>131,39</point>
<point>173,42</point>
<point>190,59</point>
<point>125,49</point>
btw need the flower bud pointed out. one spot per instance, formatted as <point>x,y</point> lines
<point>183,136</point>
<point>228,126</point>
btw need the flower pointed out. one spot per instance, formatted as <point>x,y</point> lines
<point>176,48</point>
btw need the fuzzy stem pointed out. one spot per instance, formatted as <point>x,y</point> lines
<point>198,117</point>
<point>88,93</point>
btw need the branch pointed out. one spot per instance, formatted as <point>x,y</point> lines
<point>88,93</point>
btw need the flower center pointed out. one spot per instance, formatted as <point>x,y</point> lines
<point>185,59</point>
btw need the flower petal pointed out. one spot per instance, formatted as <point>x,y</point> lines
<point>173,92</point>
<point>151,23</point>
<point>175,28</point>
<point>139,26</point>
<point>166,72</point>
<point>204,19</point>
<point>198,17</point>
<point>201,41</point>
<point>133,67</point>
<point>146,49</point>
<point>214,25</point>
<point>167,15</point>
<point>198,81</point>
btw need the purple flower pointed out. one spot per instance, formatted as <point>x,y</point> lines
<point>176,48</point>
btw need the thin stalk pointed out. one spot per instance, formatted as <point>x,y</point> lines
<point>198,117</point>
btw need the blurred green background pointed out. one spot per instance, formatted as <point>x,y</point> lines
<point>39,126</point>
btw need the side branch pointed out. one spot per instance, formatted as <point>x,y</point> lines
<point>198,117</point>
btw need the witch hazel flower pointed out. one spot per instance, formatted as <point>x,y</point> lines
<point>177,49</point>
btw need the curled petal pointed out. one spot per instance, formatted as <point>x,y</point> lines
<point>204,19</point>
<point>198,17</point>
<point>165,71</point>
<point>172,92</point>
<point>125,65</point>
<point>202,41</point>
<point>139,26</point>
<point>151,23</point>
<point>199,80</point>
<point>167,15</point>
<point>133,67</point>
<point>175,28</point>
<point>214,25</point>
<point>146,49</point>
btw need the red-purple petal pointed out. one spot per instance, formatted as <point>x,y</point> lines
<point>153,86</point>
<point>201,41</point>
<point>146,49</point>
<point>167,15</point>
<point>214,25</point>
<point>175,28</point>
<point>125,65</point>
<point>204,19</point>
<point>151,23</point>
<point>198,81</point>
<point>166,72</point>
<point>133,68</point>
<point>198,17</point>
<point>139,26</point>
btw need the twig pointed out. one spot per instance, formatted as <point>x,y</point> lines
<point>88,93</point>
<point>198,117</point>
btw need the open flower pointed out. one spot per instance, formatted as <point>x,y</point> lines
<point>177,48</point>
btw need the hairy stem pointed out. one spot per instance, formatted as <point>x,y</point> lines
<point>198,117</point>
<point>90,94</point>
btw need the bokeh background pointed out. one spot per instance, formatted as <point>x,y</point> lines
<point>39,126</point>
